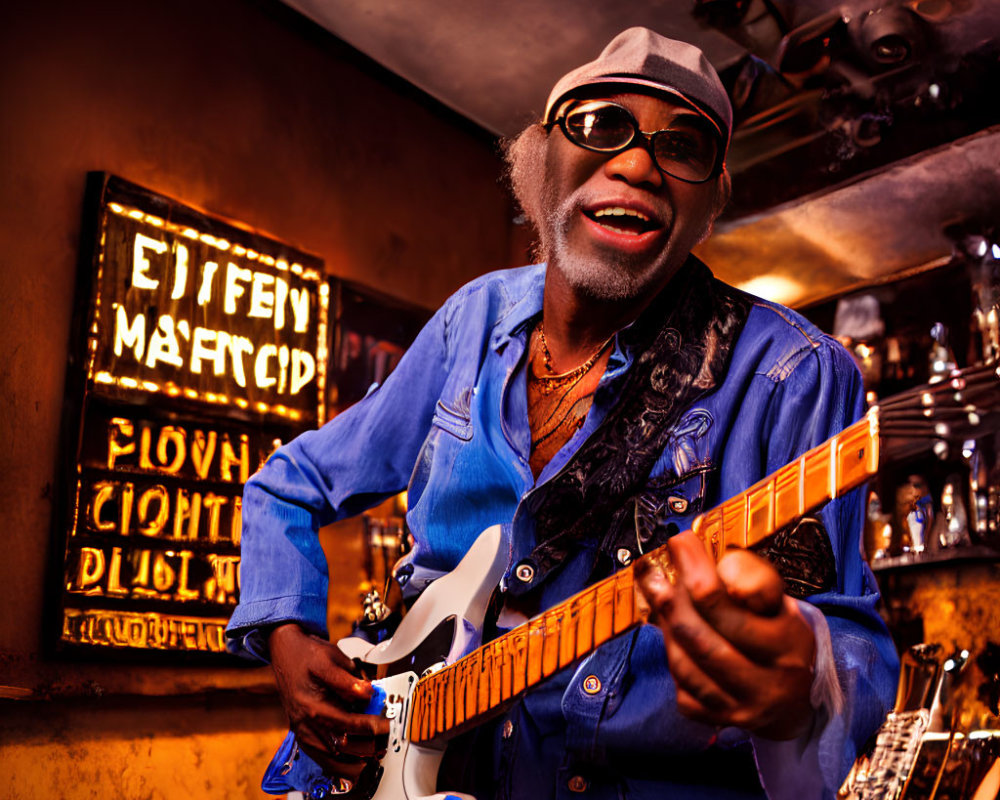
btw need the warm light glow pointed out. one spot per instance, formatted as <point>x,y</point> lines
<point>136,214</point>
<point>149,386</point>
<point>103,377</point>
<point>242,402</point>
<point>129,383</point>
<point>190,233</point>
<point>116,208</point>
<point>267,260</point>
<point>281,264</point>
<point>773,287</point>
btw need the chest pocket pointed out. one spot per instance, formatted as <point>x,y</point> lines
<point>455,417</point>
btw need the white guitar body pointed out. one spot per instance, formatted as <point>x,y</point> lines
<point>409,771</point>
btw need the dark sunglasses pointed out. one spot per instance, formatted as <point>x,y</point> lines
<point>690,150</point>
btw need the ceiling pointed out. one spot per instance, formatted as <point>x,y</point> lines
<point>867,131</point>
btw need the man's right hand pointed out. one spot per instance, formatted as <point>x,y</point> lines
<point>322,693</point>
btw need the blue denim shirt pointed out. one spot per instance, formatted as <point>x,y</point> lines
<point>451,425</point>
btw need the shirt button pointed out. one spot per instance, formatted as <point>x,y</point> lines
<point>591,684</point>
<point>508,729</point>
<point>577,784</point>
<point>525,572</point>
<point>624,556</point>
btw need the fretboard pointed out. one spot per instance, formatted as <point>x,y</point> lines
<point>474,688</point>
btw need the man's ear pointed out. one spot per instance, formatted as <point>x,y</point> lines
<point>723,192</point>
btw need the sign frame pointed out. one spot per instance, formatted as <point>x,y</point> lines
<point>151,463</point>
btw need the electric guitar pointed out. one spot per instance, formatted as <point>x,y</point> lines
<point>437,681</point>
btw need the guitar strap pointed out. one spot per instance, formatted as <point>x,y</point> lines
<point>682,343</point>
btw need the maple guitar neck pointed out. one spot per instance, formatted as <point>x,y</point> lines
<point>475,687</point>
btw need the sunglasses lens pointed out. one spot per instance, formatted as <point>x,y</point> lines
<point>600,126</point>
<point>688,149</point>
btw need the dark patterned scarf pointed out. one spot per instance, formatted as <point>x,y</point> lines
<point>683,342</point>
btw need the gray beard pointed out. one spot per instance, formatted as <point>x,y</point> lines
<point>610,277</point>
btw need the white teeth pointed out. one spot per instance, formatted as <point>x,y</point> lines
<point>618,211</point>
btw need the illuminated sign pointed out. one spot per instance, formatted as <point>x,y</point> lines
<point>206,347</point>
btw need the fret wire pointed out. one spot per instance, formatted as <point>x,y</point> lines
<point>414,725</point>
<point>550,641</point>
<point>438,705</point>
<point>506,674</point>
<point>425,719</point>
<point>448,689</point>
<point>484,679</point>
<point>624,615</point>
<point>585,629</point>
<point>602,626</point>
<point>495,674</point>
<point>472,688</point>
<point>519,650</point>
<point>567,639</point>
<point>534,658</point>
<point>460,672</point>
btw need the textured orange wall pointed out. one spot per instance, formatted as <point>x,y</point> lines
<point>243,109</point>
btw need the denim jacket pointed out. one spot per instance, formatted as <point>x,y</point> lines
<point>450,424</point>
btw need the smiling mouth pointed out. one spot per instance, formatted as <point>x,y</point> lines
<point>622,220</point>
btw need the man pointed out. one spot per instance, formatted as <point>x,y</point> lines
<point>595,406</point>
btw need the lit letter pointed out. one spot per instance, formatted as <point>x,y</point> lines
<point>236,522</point>
<point>238,345</point>
<point>183,593</point>
<point>115,587</point>
<point>140,575</point>
<point>180,272</point>
<point>163,345</point>
<point>186,510</point>
<point>145,441</point>
<point>280,295</point>
<point>214,504</point>
<point>207,274</point>
<point>202,451</point>
<point>261,298</point>
<point>163,573</point>
<point>128,496</point>
<point>154,526</point>
<point>115,449</point>
<point>303,369</point>
<point>282,368</point>
<point>260,366</point>
<point>140,264</point>
<point>233,288</point>
<point>228,457</point>
<point>103,494</point>
<point>170,434</point>
<point>90,570</point>
<point>221,588</point>
<point>300,309</point>
<point>133,336</point>
<point>209,345</point>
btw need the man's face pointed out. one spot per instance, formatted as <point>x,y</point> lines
<point>615,226</point>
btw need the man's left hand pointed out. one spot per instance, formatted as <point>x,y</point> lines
<point>739,649</point>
